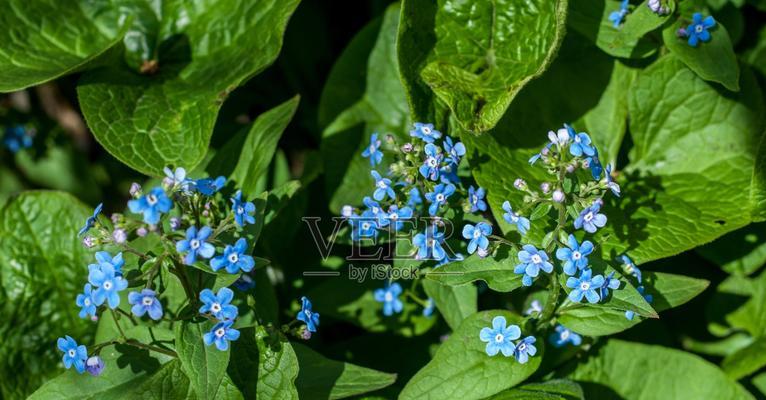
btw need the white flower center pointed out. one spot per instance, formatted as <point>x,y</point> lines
<point>584,285</point>
<point>220,332</point>
<point>588,217</point>
<point>375,210</point>
<point>393,216</point>
<point>476,233</point>
<point>499,338</point>
<point>71,353</point>
<point>107,285</point>
<point>308,313</point>
<point>699,28</point>
<point>365,226</point>
<point>240,210</point>
<point>382,184</point>
<point>147,301</point>
<point>514,217</point>
<point>233,257</point>
<point>426,130</point>
<point>475,199</point>
<point>86,301</point>
<point>439,197</point>
<point>151,199</point>
<point>537,259</point>
<point>577,139</point>
<point>576,255</point>
<point>431,161</point>
<point>522,346</point>
<point>372,148</point>
<point>565,335</point>
<point>389,297</point>
<point>194,244</point>
<point>215,307</point>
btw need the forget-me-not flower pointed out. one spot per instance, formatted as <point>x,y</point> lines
<point>448,259</point>
<point>243,210</point>
<point>524,349</point>
<point>560,137</point>
<point>234,258</point>
<point>74,354</point>
<point>219,305</point>
<point>586,285</point>
<point>476,199</point>
<point>91,221</point>
<point>425,132</point>
<point>617,16</point>
<point>610,282</point>
<point>431,166</point>
<point>389,296</point>
<point>499,337</point>
<point>84,300</point>
<point>453,151</point>
<point>521,223</point>
<point>151,205</point>
<point>610,183</point>
<point>145,302</point>
<point>477,236</point>
<point>306,315</point>
<point>429,244</point>
<point>535,307</point>
<point>562,336</point>
<point>209,186</point>
<point>594,164</point>
<point>382,187</point>
<point>174,178</point>
<point>107,283</point>
<point>699,29</point>
<point>103,257</point>
<point>396,215</point>
<point>575,256</point>
<point>373,151</point>
<point>16,138</point>
<point>221,334</point>
<point>581,144</point>
<point>363,226</point>
<point>439,196</point>
<point>532,261</point>
<point>590,219</point>
<point>195,244</point>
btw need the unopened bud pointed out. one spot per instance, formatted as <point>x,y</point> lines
<point>520,184</point>
<point>89,241</point>
<point>407,148</point>
<point>119,236</point>
<point>482,252</point>
<point>346,211</point>
<point>545,187</point>
<point>135,190</point>
<point>571,168</point>
<point>175,223</point>
<point>141,231</point>
<point>558,196</point>
<point>390,138</point>
<point>95,365</point>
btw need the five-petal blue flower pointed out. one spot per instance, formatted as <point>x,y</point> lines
<point>476,199</point>
<point>429,244</point>
<point>439,196</point>
<point>521,223</point>
<point>477,236</point>
<point>524,349</point>
<point>234,258</point>
<point>699,29</point>
<point>500,337</point>
<point>389,296</point>
<point>586,285</point>
<point>575,256</point>
<point>145,302</point>
<point>151,205</point>
<point>85,302</point>
<point>108,284</point>
<point>243,210</point>
<point>373,151</point>
<point>195,244</point>
<point>610,282</point>
<point>453,151</point>
<point>425,132</point>
<point>396,215</point>
<point>532,261</point>
<point>562,336</point>
<point>382,187</point>
<point>219,305</point>
<point>221,334</point>
<point>590,219</point>
<point>580,144</point>
<point>74,354</point>
<point>431,166</point>
<point>306,315</point>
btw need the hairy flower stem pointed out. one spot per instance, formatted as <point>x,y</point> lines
<point>553,294</point>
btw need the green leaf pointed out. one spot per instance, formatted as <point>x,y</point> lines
<point>455,303</point>
<point>204,365</point>
<point>555,389</point>
<point>363,94</point>
<point>719,348</point>
<point>752,315</point>
<point>496,272</point>
<point>260,144</point>
<point>277,366</point>
<point>741,252</point>
<point>203,51</point>
<point>630,40</point>
<point>42,266</point>
<point>462,369</point>
<point>746,360</point>
<point>673,374</point>
<point>713,61</point>
<point>37,47</point>
<point>321,378</point>
<point>475,57</point>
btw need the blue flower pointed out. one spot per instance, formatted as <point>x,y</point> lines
<point>221,334</point>
<point>234,259</point>
<point>453,151</point>
<point>477,236</point>
<point>373,151</point>
<point>439,196</point>
<point>630,268</point>
<point>375,211</point>
<point>210,186</point>
<point>447,259</point>
<point>90,222</point>
<point>617,16</point>
<point>576,256</point>
<point>594,165</point>
<point>389,296</point>
<point>107,283</point>
<point>448,174</point>
<point>151,205</point>
<point>16,138</point>
<point>524,349</point>
<point>535,307</point>
<point>476,199</point>
<point>499,338</point>
<point>396,215</point>
<point>580,144</point>
<point>426,132</point>
<point>243,211</point>
<point>590,219</point>
<point>414,198</point>
<point>698,30</point>
<point>610,183</point>
<point>609,283</point>
<point>307,316</point>
<point>562,336</point>
<point>431,166</point>
<point>532,261</point>
<point>522,224</point>
<point>145,302</point>
<point>245,282</point>
<point>85,302</point>
<point>176,178</point>
<point>586,285</point>
<point>428,310</point>
<point>382,187</point>
<point>74,354</point>
<point>195,244</point>
<point>648,297</point>
<point>363,226</point>
<point>219,305</point>
<point>104,258</point>
<point>542,152</point>
<point>429,244</point>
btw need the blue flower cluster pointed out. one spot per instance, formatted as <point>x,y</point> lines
<point>500,339</point>
<point>218,305</point>
<point>17,137</point>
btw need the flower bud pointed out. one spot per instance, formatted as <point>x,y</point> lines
<point>681,32</point>
<point>545,151</point>
<point>346,211</point>
<point>407,148</point>
<point>558,196</point>
<point>135,190</point>
<point>390,138</point>
<point>175,223</point>
<point>306,334</point>
<point>119,236</point>
<point>141,231</point>
<point>545,187</point>
<point>482,252</point>
<point>167,183</point>
<point>520,184</point>
<point>95,365</point>
<point>89,241</point>
<point>571,168</point>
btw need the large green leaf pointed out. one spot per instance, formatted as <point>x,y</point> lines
<point>554,389</point>
<point>740,252</point>
<point>751,316</point>
<point>204,365</point>
<point>363,94</point>
<point>455,303</point>
<point>658,373</point>
<point>277,366</point>
<point>43,266</point>
<point>203,51</point>
<point>746,360</point>
<point>462,369</point>
<point>475,57</point>
<point>43,40</point>
<point>321,378</point>
<point>497,273</point>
